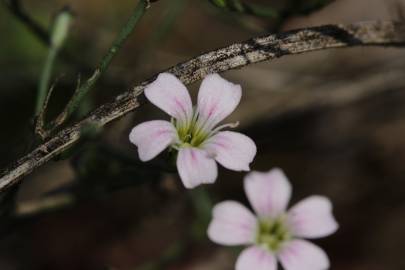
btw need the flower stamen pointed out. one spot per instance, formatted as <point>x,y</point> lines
<point>228,125</point>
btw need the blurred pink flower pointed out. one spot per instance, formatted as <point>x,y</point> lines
<point>274,233</point>
<point>193,132</point>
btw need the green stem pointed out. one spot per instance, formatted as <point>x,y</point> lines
<point>45,78</point>
<point>106,60</point>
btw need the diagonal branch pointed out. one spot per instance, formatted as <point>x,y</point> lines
<point>232,57</point>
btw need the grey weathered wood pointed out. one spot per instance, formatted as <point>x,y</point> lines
<point>232,57</point>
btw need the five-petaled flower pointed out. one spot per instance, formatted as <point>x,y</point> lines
<point>274,234</point>
<point>192,131</point>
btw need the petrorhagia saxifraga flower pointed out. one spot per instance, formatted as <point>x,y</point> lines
<point>274,233</point>
<point>193,132</point>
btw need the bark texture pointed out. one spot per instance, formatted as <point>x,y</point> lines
<point>232,57</point>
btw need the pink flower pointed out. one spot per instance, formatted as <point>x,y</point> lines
<point>192,131</point>
<point>274,233</point>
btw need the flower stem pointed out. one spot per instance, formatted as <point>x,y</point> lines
<point>45,78</point>
<point>83,89</point>
<point>60,29</point>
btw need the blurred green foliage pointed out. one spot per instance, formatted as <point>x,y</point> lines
<point>245,7</point>
<point>291,8</point>
<point>22,46</point>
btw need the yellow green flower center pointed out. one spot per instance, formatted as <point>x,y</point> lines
<point>272,233</point>
<point>191,134</point>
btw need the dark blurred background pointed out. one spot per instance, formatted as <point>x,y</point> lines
<point>333,120</point>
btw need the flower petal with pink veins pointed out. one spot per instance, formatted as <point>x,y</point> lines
<point>232,150</point>
<point>256,258</point>
<point>232,224</point>
<point>217,98</point>
<point>195,167</point>
<point>152,137</point>
<point>302,255</point>
<point>169,94</point>
<point>268,193</point>
<point>312,218</point>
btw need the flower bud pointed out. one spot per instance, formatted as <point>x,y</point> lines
<point>61,28</point>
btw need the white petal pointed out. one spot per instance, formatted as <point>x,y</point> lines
<point>269,193</point>
<point>232,150</point>
<point>303,255</point>
<point>195,167</point>
<point>256,258</point>
<point>217,98</point>
<point>152,137</point>
<point>232,224</point>
<point>312,218</point>
<point>169,94</point>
